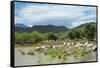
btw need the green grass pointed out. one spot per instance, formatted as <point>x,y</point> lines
<point>80,54</point>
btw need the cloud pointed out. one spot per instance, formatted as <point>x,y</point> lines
<point>70,16</point>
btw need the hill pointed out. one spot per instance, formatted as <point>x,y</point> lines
<point>49,28</point>
<point>41,28</point>
<point>81,27</point>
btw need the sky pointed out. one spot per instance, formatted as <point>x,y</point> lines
<point>31,14</point>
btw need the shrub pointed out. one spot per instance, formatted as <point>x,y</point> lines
<point>29,38</point>
<point>74,34</point>
<point>52,36</point>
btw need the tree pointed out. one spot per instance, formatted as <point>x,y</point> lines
<point>71,34</point>
<point>52,37</point>
<point>74,34</point>
<point>89,31</point>
<point>63,36</point>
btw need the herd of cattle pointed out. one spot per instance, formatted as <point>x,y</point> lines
<point>92,46</point>
<point>65,45</point>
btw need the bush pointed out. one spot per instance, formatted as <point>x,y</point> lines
<point>37,37</point>
<point>52,36</point>
<point>74,34</point>
<point>29,38</point>
<point>63,36</point>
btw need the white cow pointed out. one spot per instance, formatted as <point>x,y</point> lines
<point>68,44</point>
<point>90,45</point>
<point>86,44</point>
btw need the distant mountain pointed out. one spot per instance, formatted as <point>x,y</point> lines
<point>40,28</point>
<point>48,28</point>
<point>83,25</point>
<point>21,25</point>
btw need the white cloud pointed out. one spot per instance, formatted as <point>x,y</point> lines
<point>32,14</point>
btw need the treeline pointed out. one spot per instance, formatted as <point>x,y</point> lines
<point>87,32</point>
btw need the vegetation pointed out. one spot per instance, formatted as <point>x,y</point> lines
<point>58,47</point>
<point>74,34</point>
<point>28,38</point>
<point>87,31</point>
<point>90,31</point>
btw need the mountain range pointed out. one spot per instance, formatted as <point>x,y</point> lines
<point>40,28</point>
<point>47,28</point>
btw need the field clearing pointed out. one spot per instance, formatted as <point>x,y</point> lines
<point>52,53</point>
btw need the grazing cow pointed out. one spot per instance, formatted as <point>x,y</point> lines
<point>94,48</point>
<point>54,46</point>
<point>90,45</point>
<point>61,46</point>
<point>77,45</point>
<point>43,47</point>
<point>39,49</point>
<point>64,43</point>
<point>86,44</point>
<point>72,44</point>
<point>68,44</point>
<point>80,44</point>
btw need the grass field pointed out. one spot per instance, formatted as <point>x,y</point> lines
<point>52,52</point>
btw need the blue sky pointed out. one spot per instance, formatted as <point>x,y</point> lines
<point>45,14</point>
